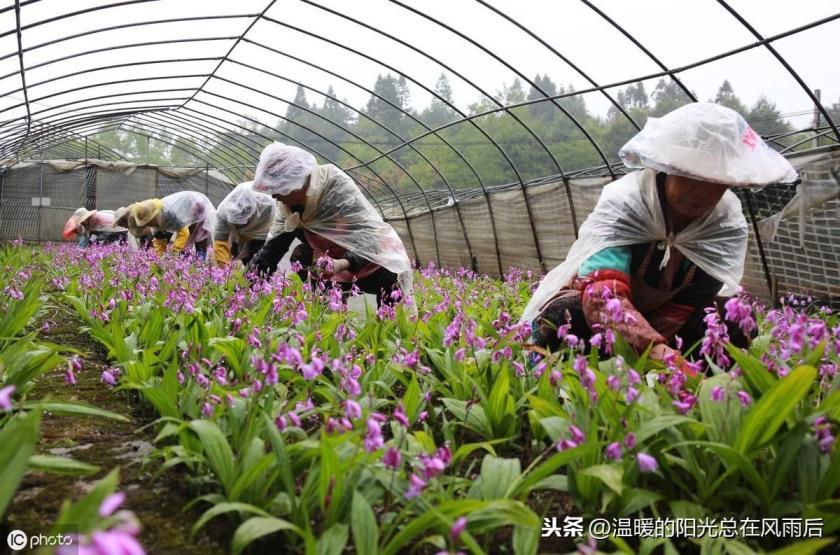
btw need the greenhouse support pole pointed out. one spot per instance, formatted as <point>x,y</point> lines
<point>40,194</point>
<point>818,96</point>
<point>761,253</point>
<point>207,180</point>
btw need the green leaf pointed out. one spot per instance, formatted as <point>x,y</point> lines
<point>74,409</point>
<point>526,540</point>
<point>256,528</point>
<point>217,450</point>
<point>735,460</point>
<point>332,541</point>
<point>498,476</point>
<point>722,418</point>
<point>767,415</point>
<point>223,508</point>
<point>755,372</point>
<point>61,465</point>
<point>611,474</point>
<point>18,437</point>
<point>363,524</point>
<point>476,419</point>
<point>650,428</point>
<point>530,479</point>
<point>637,499</point>
<point>83,516</point>
<point>806,547</point>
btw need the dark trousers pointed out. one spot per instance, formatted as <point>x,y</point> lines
<point>569,310</point>
<point>379,283</point>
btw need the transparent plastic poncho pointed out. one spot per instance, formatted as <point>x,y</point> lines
<point>628,212</point>
<point>337,210</point>
<point>245,214</point>
<point>185,209</point>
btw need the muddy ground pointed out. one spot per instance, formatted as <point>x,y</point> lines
<point>157,502</point>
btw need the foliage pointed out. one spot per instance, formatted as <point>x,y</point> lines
<point>322,428</point>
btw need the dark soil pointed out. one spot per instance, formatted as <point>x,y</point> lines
<point>157,502</point>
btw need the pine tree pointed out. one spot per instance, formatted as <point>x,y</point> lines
<point>726,97</point>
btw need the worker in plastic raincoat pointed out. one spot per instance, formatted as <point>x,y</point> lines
<point>663,241</point>
<point>186,217</point>
<point>93,226</point>
<point>243,219</point>
<point>338,228</point>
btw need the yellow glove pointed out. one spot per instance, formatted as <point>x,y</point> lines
<point>181,239</point>
<point>222,252</point>
<point>160,246</point>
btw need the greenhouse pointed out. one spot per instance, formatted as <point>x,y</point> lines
<point>395,276</point>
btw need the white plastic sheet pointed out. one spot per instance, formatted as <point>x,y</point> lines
<point>810,194</point>
<point>186,208</point>
<point>629,212</point>
<point>244,213</point>
<point>708,142</point>
<point>282,169</point>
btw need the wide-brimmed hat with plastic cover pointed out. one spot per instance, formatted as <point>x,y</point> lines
<point>140,214</point>
<point>708,142</point>
<point>121,216</point>
<point>283,169</point>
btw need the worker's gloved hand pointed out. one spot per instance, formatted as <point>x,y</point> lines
<point>221,251</point>
<point>179,243</point>
<point>333,266</point>
<point>672,358</point>
<point>159,245</point>
<point>260,266</point>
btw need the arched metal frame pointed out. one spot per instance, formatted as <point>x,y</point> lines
<point>209,126</point>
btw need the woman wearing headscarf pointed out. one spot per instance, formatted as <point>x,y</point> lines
<point>322,207</point>
<point>243,218</point>
<point>663,242</point>
<point>93,225</point>
<point>186,217</point>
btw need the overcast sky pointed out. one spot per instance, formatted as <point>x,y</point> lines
<point>677,32</point>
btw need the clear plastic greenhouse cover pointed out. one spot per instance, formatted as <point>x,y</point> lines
<point>429,106</point>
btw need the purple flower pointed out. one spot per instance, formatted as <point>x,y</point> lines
<point>457,527</point>
<point>352,409</point>
<point>109,378</point>
<point>416,485</point>
<point>373,439</point>
<point>400,416</point>
<point>632,394</point>
<point>613,451</point>
<point>646,463</point>
<point>564,444</point>
<point>614,382</point>
<point>392,458</point>
<point>630,440</point>
<point>717,394</point>
<point>744,398</point>
<point>111,503</point>
<point>6,397</point>
<point>207,410</point>
<point>577,434</point>
<point>114,541</point>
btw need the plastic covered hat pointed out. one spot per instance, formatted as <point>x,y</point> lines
<point>708,142</point>
<point>144,212</point>
<point>83,214</point>
<point>241,204</point>
<point>283,169</point>
<point>121,216</point>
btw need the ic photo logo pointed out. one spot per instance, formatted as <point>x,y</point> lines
<point>17,540</point>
